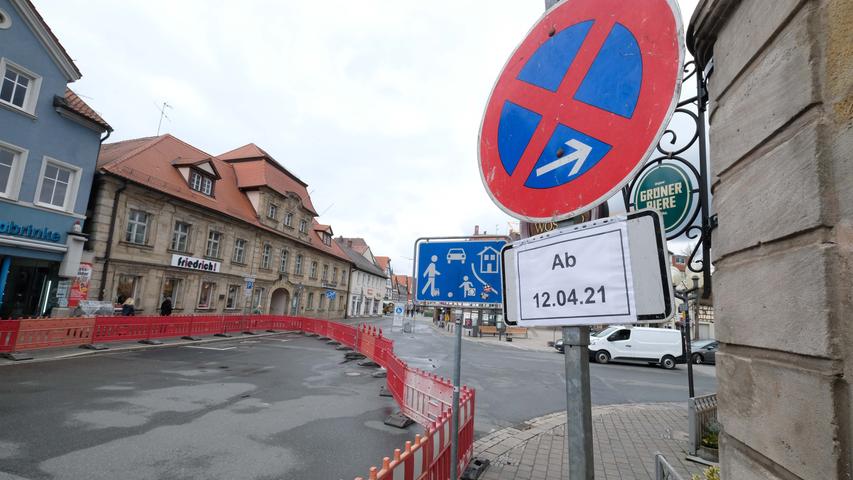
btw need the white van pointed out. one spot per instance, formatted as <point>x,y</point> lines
<point>661,346</point>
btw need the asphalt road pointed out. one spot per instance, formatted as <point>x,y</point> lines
<point>515,385</point>
<point>263,408</point>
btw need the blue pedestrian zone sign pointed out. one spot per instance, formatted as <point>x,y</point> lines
<point>458,271</point>
<point>331,294</point>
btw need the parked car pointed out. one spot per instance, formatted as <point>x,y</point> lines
<point>660,346</point>
<point>558,345</point>
<point>703,351</point>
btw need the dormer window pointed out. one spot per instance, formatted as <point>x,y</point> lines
<point>272,211</point>
<point>303,226</point>
<point>327,239</point>
<point>201,182</point>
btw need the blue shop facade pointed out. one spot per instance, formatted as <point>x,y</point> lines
<point>49,144</point>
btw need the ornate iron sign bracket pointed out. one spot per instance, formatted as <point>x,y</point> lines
<point>672,150</point>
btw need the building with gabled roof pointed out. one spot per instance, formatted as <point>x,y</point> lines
<point>49,141</point>
<point>367,283</point>
<point>170,220</point>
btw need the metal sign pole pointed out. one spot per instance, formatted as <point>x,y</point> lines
<point>454,425</point>
<point>578,403</point>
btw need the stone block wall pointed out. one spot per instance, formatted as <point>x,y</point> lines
<point>781,143</point>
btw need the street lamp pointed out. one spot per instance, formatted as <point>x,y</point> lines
<point>685,295</point>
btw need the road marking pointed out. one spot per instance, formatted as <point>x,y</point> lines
<point>210,348</point>
<point>580,154</point>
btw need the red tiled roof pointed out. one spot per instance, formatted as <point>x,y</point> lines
<point>148,161</point>
<point>317,241</point>
<point>256,168</point>
<point>383,262</point>
<point>355,243</point>
<point>78,106</point>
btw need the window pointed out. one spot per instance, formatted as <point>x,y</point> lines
<point>137,227</point>
<point>288,220</point>
<point>313,270</point>
<point>239,251</point>
<point>282,266</point>
<point>341,303</point>
<point>126,287</point>
<point>619,335</point>
<point>231,298</point>
<point>213,241</point>
<point>343,277</point>
<point>172,288</point>
<point>58,185</point>
<point>19,87</point>
<point>325,272</point>
<point>303,226</point>
<point>310,305</point>
<point>298,268</point>
<point>272,211</point>
<point>327,239</point>
<point>12,161</point>
<point>334,274</point>
<point>321,302</point>
<point>180,236</point>
<point>201,183</point>
<point>265,258</point>
<point>205,295</point>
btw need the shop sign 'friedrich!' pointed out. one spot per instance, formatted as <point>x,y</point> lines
<point>193,263</point>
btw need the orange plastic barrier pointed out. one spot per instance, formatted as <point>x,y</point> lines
<point>8,334</point>
<point>35,333</point>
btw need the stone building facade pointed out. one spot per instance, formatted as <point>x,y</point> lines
<point>781,136</point>
<point>169,220</point>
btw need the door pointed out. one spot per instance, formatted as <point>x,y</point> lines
<point>619,344</point>
<point>279,302</point>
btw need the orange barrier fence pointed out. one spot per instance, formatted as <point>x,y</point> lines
<point>424,397</point>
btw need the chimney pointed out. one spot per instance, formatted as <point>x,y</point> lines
<point>476,229</point>
<point>349,243</point>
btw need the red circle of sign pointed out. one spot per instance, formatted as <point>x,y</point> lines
<point>656,25</point>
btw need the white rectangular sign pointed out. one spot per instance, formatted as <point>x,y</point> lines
<point>580,277</point>
<point>193,263</point>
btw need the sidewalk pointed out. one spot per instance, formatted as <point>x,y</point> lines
<point>625,438</point>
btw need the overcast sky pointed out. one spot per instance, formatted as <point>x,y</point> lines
<point>375,104</point>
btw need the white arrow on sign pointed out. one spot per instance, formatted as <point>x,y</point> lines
<point>579,155</point>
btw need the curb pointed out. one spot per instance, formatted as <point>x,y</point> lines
<point>131,348</point>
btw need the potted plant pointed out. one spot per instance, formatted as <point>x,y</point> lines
<point>710,444</point>
<point>711,473</point>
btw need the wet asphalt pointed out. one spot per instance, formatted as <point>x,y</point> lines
<point>281,407</point>
<point>252,408</point>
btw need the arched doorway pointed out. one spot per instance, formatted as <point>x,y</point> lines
<point>279,302</point>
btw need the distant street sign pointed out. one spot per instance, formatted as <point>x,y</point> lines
<point>250,284</point>
<point>580,105</point>
<point>399,310</point>
<point>667,189</point>
<point>458,271</point>
<point>612,270</point>
<point>331,294</point>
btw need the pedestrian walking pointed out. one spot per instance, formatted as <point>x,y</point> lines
<point>127,308</point>
<point>166,307</point>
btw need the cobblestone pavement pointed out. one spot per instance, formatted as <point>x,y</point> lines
<point>625,438</point>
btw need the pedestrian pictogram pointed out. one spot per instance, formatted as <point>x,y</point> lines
<point>580,104</point>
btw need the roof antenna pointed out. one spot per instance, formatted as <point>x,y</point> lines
<point>162,116</point>
<point>327,209</point>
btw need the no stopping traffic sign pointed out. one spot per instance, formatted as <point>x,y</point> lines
<point>580,105</point>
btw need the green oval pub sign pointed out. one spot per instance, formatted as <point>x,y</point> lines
<point>667,189</point>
